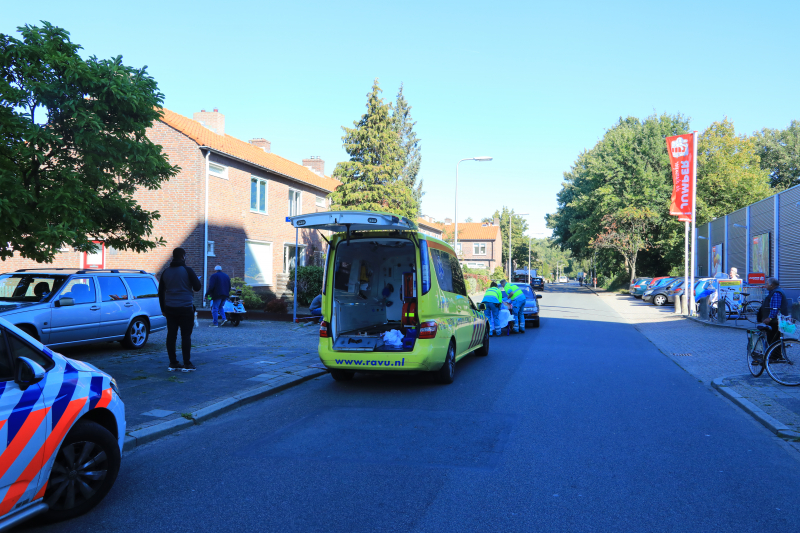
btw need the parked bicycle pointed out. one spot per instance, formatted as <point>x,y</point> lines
<point>781,359</point>
<point>736,309</point>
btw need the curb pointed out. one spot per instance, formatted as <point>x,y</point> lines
<point>777,427</point>
<point>713,324</point>
<point>149,434</point>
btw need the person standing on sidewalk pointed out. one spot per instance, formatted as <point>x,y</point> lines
<point>219,288</point>
<point>517,299</point>
<point>176,290</point>
<point>768,314</point>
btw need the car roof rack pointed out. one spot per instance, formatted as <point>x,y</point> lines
<point>87,270</point>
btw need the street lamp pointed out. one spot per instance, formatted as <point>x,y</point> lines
<point>510,239</point>
<point>481,158</point>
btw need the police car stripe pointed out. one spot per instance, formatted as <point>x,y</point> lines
<point>95,390</point>
<point>64,394</point>
<point>22,410</point>
<point>2,388</point>
<point>105,399</point>
<point>16,446</point>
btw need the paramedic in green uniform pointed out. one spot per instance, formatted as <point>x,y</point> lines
<point>517,299</point>
<point>492,300</point>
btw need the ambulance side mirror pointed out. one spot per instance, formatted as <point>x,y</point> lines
<point>481,306</point>
<point>538,296</point>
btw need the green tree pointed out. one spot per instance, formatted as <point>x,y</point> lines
<point>779,151</point>
<point>627,232</point>
<point>372,179</point>
<point>73,149</point>
<point>404,126</point>
<point>729,173</point>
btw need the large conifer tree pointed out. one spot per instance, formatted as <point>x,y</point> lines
<point>372,179</point>
<point>410,146</point>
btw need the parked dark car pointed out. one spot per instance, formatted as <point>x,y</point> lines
<point>658,295</point>
<point>638,287</point>
<point>531,308</point>
<point>537,283</point>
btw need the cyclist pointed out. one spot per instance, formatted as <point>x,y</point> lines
<point>768,314</point>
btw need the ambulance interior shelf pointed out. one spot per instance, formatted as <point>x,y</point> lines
<point>368,289</point>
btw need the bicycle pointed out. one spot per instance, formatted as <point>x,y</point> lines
<point>781,359</point>
<point>739,309</point>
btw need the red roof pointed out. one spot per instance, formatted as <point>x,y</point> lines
<point>246,151</point>
<point>474,231</point>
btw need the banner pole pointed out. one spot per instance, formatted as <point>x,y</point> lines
<point>686,265</point>
<point>690,303</point>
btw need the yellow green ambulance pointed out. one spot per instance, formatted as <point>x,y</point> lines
<point>394,299</point>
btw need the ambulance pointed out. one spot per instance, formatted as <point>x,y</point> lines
<point>393,298</point>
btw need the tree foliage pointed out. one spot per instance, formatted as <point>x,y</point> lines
<point>372,178</point>
<point>627,232</point>
<point>519,242</point>
<point>410,146</point>
<point>73,149</point>
<point>779,152</point>
<point>629,167</point>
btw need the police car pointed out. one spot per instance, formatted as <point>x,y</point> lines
<point>62,428</point>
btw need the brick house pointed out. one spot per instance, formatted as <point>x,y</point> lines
<point>480,244</point>
<point>428,226</point>
<point>232,195</point>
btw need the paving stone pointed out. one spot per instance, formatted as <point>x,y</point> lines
<point>158,413</point>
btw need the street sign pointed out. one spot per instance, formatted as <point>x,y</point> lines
<point>756,278</point>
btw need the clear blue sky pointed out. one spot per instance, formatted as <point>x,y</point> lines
<point>530,84</point>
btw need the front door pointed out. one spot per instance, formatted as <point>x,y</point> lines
<point>77,322</point>
<point>23,430</point>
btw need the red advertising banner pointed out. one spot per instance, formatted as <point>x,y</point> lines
<point>681,152</point>
<point>756,278</point>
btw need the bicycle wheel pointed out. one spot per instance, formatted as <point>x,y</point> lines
<point>750,310</point>
<point>784,365</point>
<point>755,355</point>
<point>712,311</point>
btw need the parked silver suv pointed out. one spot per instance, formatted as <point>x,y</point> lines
<point>67,307</point>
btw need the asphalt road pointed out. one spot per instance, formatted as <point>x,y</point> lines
<point>581,425</point>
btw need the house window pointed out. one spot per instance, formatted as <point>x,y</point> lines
<point>210,249</point>
<point>294,203</point>
<point>478,248</point>
<point>321,201</point>
<point>458,248</point>
<point>218,170</point>
<point>257,263</point>
<point>258,195</point>
<point>289,258</point>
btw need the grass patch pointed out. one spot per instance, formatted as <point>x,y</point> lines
<point>187,416</point>
<point>138,377</point>
<point>173,379</point>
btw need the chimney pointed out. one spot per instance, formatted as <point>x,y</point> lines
<point>214,120</point>
<point>261,143</point>
<point>448,221</point>
<point>496,221</point>
<point>316,165</point>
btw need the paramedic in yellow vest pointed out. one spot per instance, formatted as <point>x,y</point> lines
<point>492,300</point>
<point>517,299</point>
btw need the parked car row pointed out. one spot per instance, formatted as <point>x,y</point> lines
<point>663,290</point>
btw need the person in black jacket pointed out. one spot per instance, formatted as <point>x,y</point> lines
<point>176,295</point>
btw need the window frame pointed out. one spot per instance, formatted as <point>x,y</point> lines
<point>268,283</point>
<point>259,183</point>
<point>299,201</point>
<point>102,294</point>
<point>5,351</point>
<point>476,248</point>
<point>324,201</point>
<point>301,255</point>
<point>222,173</point>
<point>132,293</point>
<point>63,290</point>
<point>210,249</point>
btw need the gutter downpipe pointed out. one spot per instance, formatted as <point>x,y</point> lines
<point>205,239</point>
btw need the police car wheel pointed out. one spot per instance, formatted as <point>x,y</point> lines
<point>83,472</point>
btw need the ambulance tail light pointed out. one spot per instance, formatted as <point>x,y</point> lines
<point>325,330</point>
<point>427,330</point>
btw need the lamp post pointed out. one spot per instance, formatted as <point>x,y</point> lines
<point>455,234</point>
<point>510,239</point>
<point>529,254</point>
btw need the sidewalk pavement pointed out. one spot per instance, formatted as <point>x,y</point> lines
<point>235,365</point>
<point>715,354</point>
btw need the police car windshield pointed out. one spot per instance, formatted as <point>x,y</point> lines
<point>29,287</point>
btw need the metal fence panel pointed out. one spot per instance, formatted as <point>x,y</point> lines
<point>789,249</point>
<point>762,220</point>
<point>737,242</point>
<point>702,251</point>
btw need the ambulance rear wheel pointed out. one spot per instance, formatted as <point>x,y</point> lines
<point>342,375</point>
<point>446,374</point>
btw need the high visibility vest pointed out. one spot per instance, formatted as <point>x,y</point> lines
<point>494,295</point>
<point>512,291</point>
